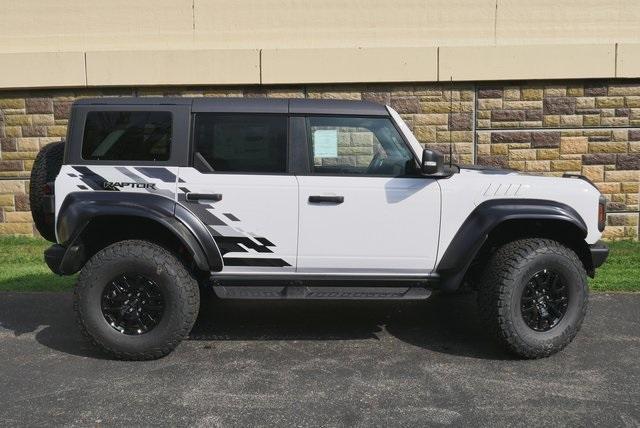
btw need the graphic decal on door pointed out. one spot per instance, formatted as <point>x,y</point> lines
<point>224,227</point>
<point>231,239</point>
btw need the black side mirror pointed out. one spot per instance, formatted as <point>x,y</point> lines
<point>432,162</point>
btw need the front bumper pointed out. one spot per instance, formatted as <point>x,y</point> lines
<point>599,253</point>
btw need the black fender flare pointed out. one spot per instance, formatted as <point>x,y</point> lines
<point>485,218</point>
<point>80,208</point>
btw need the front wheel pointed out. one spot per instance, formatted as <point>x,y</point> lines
<point>533,294</point>
<point>134,300</point>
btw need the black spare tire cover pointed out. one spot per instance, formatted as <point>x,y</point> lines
<point>45,169</point>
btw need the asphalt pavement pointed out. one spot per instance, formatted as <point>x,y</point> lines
<point>320,363</point>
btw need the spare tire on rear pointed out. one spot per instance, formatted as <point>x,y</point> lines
<point>45,169</point>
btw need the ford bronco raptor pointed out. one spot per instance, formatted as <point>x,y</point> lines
<point>153,199</point>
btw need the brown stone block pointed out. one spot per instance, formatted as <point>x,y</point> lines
<point>39,105</point>
<point>62,109</point>
<point>517,137</point>
<point>18,217</point>
<point>507,115</point>
<point>545,139</point>
<point>559,105</point>
<point>634,135</point>
<point>598,90</point>
<point>8,144</point>
<point>495,161</point>
<point>628,161</point>
<point>34,131</point>
<point>534,114</point>
<point>623,112</point>
<point>425,134</point>
<point>406,105</point>
<point>490,93</point>
<point>460,121</point>
<point>22,202</point>
<point>29,144</point>
<point>11,165</point>
<point>593,138</point>
<point>383,98</point>
<point>517,165</point>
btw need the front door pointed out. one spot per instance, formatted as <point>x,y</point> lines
<point>363,208</point>
<point>239,187</point>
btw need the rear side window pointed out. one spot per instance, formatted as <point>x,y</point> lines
<point>241,143</point>
<point>127,136</point>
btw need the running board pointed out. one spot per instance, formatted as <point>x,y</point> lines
<point>321,293</point>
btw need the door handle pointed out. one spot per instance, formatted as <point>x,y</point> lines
<point>204,196</point>
<point>317,199</point>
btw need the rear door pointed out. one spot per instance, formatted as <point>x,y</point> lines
<point>240,187</point>
<point>363,207</point>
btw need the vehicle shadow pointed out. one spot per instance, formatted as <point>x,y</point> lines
<point>443,324</point>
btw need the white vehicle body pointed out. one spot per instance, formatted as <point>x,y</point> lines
<point>386,225</point>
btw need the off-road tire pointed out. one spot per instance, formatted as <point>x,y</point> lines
<point>179,289</point>
<point>501,286</point>
<point>45,169</point>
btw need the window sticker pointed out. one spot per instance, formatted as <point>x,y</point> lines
<point>325,143</point>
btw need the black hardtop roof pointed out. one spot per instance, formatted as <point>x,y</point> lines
<point>249,105</point>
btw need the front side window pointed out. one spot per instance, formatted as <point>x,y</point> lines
<point>344,145</point>
<point>127,135</point>
<point>250,143</point>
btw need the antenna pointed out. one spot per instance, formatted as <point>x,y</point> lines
<point>450,121</point>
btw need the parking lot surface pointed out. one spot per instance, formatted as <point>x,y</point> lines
<point>320,363</point>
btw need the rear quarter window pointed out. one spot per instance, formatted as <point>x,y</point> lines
<point>127,135</point>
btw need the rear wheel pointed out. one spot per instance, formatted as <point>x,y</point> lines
<point>136,301</point>
<point>533,294</point>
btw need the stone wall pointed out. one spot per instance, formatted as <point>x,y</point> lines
<point>586,127</point>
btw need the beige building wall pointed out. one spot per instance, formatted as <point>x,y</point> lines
<point>187,40</point>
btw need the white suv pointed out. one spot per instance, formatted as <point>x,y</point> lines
<point>154,198</point>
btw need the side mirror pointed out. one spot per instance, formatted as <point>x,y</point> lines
<point>432,162</point>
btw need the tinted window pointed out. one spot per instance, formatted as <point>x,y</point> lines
<point>243,142</point>
<point>127,135</point>
<point>358,146</point>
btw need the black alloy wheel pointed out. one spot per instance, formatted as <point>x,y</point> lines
<point>132,304</point>
<point>544,301</point>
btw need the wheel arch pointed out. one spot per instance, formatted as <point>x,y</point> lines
<point>498,221</point>
<point>88,221</point>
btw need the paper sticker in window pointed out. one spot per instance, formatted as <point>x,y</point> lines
<point>325,143</point>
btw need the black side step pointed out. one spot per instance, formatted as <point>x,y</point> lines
<point>320,292</point>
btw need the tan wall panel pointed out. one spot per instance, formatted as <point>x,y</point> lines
<point>349,65</point>
<point>37,70</point>
<point>527,62</point>
<point>197,67</point>
<point>44,25</point>
<point>628,60</point>
<point>567,21</point>
<point>339,23</point>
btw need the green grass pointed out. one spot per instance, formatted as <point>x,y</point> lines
<point>23,269</point>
